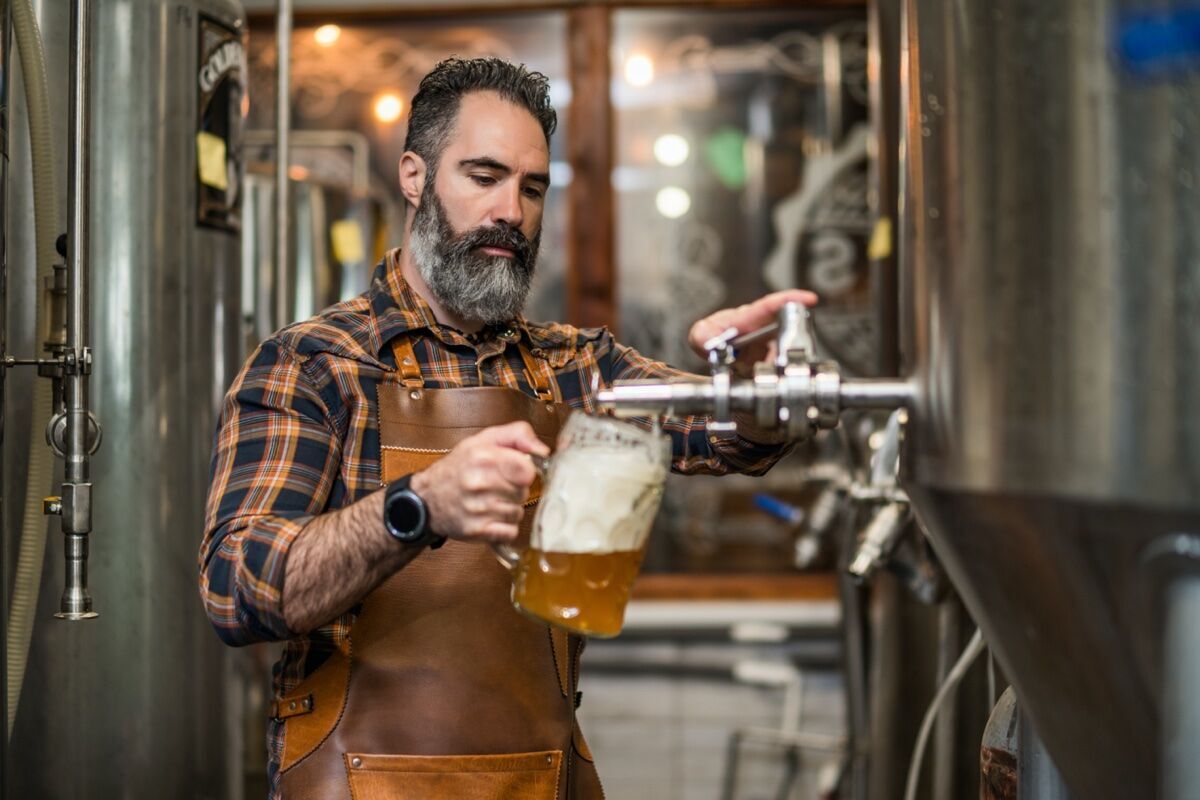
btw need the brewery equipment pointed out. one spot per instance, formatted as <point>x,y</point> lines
<point>139,701</point>
<point>1049,256</point>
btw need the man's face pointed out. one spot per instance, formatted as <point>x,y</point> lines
<point>476,231</point>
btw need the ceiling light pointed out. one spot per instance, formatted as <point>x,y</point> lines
<point>639,70</point>
<point>671,149</point>
<point>388,107</point>
<point>672,202</point>
<point>326,35</point>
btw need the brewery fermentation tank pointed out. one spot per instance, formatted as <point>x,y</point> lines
<point>1051,255</point>
<point>137,703</point>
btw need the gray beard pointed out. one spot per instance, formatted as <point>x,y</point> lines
<point>469,284</point>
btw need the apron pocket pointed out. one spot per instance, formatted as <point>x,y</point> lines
<point>496,777</point>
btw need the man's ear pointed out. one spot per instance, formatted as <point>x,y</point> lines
<point>412,177</point>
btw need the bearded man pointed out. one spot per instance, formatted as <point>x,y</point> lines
<point>366,458</point>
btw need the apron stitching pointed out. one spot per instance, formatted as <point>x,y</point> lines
<point>413,449</point>
<point>554,658</point>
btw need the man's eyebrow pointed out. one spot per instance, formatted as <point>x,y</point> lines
<point>487,162</point>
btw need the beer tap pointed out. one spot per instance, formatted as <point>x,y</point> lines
<point>892,512</point>
<point>796,391</point>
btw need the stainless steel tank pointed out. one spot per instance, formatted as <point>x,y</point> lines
<point>5,35</point>
<point>138,703</point>
<point>1051,250</point>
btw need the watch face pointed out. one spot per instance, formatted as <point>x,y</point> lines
<point>406,516</point>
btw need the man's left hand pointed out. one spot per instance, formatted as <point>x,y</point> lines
<point>746,319</point>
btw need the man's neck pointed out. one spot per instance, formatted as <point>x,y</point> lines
<point>412,276</point>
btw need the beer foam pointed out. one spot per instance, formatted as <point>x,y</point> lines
<point>589,503</point>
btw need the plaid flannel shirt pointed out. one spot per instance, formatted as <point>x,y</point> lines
<point>298,435</point>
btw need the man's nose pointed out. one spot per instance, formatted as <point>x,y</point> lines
<point>507,207</point>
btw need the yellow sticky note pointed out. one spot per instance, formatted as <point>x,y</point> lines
<point>210,156</point>
<point>881,240</point>
<point>347,239</point>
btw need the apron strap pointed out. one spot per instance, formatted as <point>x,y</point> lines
<point>406,362</point>
<point>537,379</point>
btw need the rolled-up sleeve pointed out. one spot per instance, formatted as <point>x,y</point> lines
<point>696,449</point>
<point>274,462</point>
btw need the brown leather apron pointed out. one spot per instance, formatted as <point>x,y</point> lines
<point>443,689</point>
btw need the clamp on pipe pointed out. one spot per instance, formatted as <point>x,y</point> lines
<point>796,392</point>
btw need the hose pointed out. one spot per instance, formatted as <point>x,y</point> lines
<point>40,464</point>
<point>969,654</point>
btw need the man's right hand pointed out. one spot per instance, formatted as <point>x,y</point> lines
<point>478,490</point>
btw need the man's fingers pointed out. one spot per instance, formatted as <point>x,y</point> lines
<point>763,310</point>
<point>518,436</point>
<point>516,468</point>
<point>775,300</point>
<point>499,532</point>
<point>747,318</point>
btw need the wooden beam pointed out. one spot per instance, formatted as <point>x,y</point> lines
<point>820,586</point>
<point>591,234</point>
<point>315,12</point>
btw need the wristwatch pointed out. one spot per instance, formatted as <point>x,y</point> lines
<point>406,517</point>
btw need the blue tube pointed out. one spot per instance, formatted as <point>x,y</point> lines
<point>778,508</point>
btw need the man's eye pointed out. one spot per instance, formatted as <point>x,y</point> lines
<point>483,180</point>
<point>536,194</point>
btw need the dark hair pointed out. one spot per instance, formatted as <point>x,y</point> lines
<point>435,106</point>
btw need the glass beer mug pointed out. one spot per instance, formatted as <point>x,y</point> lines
<point>601,491</point>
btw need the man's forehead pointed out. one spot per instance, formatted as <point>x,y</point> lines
<point>487,124</point>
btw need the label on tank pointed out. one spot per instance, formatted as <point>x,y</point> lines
<point>221,95</point>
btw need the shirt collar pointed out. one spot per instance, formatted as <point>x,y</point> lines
<point>399,309</point>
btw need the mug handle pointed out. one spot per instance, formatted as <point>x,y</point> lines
<point>506,554</point>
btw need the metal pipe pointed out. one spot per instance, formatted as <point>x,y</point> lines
<point>77,489</point>
<point>635,398</point>
<point>945,744</point>
<point>283,124</point>
<point>5,38</point>
<point>831,68</point>
<point>1181,689</point>
<point>876,393</point>
<point>1037,775</point>
<point>355,142</point>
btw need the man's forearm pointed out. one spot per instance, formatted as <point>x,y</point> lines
<point>337,560</point>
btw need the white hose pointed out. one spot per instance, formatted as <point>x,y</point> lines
<point>969,654</point>
<point>40,465</point>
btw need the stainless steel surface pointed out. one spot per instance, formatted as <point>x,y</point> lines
<point>5,38</point>
<point>1181,684</point>
<point>1052,266</point>
<point>283,130</point>
<point>1037,776</point>
<point>76,603</point>
<point>876,393</point>
<point>134,704</point>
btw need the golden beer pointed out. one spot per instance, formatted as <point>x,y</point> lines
<point>600,493</point>
<point>585,592</point>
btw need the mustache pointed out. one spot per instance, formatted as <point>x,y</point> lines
<point>499,235</point>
